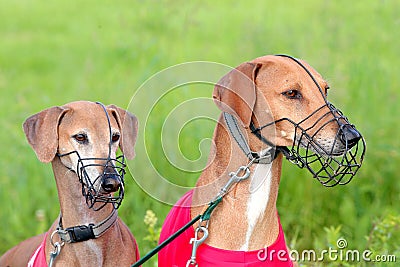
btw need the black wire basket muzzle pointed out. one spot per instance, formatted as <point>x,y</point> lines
<point>108,187</point>
<point>333,160</point>
<point>110,183</point>
<point>324,142</point>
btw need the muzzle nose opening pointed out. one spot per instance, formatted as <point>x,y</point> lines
<point>336,162</point>
<point>111,180</point>
<point>349,135</point>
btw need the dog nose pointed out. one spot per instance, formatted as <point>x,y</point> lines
<point>111,182</point>
<point>349,135</point>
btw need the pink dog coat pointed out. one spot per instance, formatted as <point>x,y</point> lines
<point>38,258</point>
<point>178,252</point>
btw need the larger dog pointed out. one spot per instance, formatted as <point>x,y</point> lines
<point>80,139</point>
<point>268,104</point>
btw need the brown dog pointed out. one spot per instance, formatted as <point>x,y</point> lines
<point>80,139</point>
<point>277,91</point>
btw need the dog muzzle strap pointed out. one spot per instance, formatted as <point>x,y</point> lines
<point>265,157</point>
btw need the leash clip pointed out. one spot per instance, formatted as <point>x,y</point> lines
<point>235,178</point>
<point>57,249</point>
<point>196,243</point>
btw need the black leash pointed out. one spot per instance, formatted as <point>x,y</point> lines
<point>166,242</point>
<point>205,216</point>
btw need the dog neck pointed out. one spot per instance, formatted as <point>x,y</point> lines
<point>247,217</point>
<point>75,212</point>
<point>73,205</point>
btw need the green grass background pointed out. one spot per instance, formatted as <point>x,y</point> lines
<point>55,52</point>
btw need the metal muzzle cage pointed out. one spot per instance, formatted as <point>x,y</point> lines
<point>333,160</point>
<point>110,182</point>
<point>332,163</point>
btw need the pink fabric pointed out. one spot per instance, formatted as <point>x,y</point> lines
<point>178,252</point>
<point>38,259</point>
<point>137,251</point>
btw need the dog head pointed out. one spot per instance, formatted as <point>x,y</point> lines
<point>85,136</point>
<point>274,89</point>
<point>284,102</point>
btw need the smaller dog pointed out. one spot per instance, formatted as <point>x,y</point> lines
<point>80,139</point>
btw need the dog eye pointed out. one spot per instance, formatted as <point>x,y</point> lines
<point>115,137</point>
<point>292,94</point>
<point>81,138</point>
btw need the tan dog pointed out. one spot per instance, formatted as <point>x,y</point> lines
<point>82,138</point>
<point>246,220</point>
<point>279,81</point>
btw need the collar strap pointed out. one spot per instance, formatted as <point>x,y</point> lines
<point>283,149</point>
<point>81,233</point>
<point>265,158</point>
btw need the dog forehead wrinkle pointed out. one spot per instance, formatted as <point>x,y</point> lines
<point>303,75</point>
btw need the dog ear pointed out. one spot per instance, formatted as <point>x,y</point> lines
<point>128,124</point>
<point>41,130</point>
<point>235,93</point>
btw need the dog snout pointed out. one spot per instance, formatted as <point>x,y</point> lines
<point>349,135</point>
<point>111,181</point>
